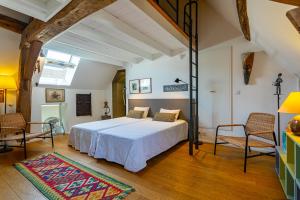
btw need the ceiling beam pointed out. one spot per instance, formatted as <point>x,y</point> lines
<point>294,16</point>
<point>75,11</point>
<point>95,47</point>
<point>290,2</point>
<point>12,24</point>
<point>243,18</point>
<point>100,37</point>
<point>114,22</point>
<point>57,46</point>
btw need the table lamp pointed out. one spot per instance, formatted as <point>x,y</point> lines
<point>291,105</point>
<point>7,83</point>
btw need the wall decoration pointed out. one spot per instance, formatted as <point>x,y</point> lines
<point>176,88</point>
<point>146,85</point>
<point>1,96</point>
<point>134,86</point>
<point>55,95</point>
<point>83,104</point>
<point>247,66</point>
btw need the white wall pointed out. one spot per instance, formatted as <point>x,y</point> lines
<point>238,99</point>
<point>9,62</point>
<point>98,98</point>
<point>259,95</point>
<point>163,72</point>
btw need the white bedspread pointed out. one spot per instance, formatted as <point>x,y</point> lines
<point>82,135</point>
<point>133,144</point>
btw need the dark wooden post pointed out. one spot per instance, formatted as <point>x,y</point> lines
<point>28,58</point>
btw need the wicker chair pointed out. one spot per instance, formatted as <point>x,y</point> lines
<point>258,125</point>
<point>13,128</point>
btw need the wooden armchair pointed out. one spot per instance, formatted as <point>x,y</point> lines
<point>259,125</point>
<point>13,128</point>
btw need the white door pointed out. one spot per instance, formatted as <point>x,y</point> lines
<point>214,87</point>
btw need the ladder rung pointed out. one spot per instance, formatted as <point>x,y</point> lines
<point>185,23</point>
<point>194,63</point>
<point>194,77</point>
<point>187,14</point>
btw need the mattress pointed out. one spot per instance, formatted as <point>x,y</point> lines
<point>82,135</point>
<point>133,144</point>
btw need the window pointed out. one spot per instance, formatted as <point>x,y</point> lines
<point>59,68</point>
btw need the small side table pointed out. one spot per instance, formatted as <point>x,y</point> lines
<point>105,117</point>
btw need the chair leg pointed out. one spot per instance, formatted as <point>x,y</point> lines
<point>249,149</point>
<point>246,155</point>
<point>51,137</point>
<point>25,151</point>
<point>216,139</point>
<point>215,148</point>
<point>24,140</point>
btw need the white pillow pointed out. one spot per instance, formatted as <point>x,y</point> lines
<point>145,109</point>
<point>171,111</point>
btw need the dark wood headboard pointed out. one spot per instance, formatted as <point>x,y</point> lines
<point>156,104</point>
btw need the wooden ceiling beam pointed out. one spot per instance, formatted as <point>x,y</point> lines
<point>294,16</point>
<point>290,2</point>
<point>75,11</point>
<point>243,18</point>
<point>12,24</point>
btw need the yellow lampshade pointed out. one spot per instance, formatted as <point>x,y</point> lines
<point>291,104</point>
<point>7,82</point>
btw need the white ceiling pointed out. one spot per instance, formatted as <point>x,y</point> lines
<point>119,34</point>
<point>270,29</point>
<point>14,14</point>
<point>39,9</point>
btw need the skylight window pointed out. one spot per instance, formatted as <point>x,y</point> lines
<point>59,68</point>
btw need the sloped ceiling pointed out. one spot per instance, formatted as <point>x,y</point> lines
<point>213,27</point>
<point>93,75</point>
<point>274,32</point>
<point>270,29</point>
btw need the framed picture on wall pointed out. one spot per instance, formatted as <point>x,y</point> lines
<point>1,96</point>
<point>146,85</point>
<point>134,86</point>
<point>55,95</point>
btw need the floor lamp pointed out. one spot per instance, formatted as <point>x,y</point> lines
<point>6,83</point>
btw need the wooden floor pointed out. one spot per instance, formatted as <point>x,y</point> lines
<point>171,175</point>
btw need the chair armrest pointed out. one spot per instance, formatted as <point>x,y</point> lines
<point>230,125</point>
<point>38,123</point>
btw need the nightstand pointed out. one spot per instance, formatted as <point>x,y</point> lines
<point>105,117</point>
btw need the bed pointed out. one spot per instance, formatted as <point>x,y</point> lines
<point>132,145</point>
<point>82,135</point>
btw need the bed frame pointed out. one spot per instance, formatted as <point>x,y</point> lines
<point>156,104</point>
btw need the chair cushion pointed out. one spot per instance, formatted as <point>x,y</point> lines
<point>241,142</point>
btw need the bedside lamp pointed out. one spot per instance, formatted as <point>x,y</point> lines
<point>7,83</point>
<point>291,105</point>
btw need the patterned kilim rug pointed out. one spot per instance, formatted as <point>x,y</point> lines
<point>58,177</point>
